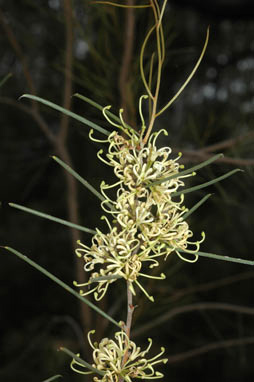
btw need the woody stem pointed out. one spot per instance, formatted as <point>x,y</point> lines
<point>130,309</point>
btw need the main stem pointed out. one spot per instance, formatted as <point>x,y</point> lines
<point>130,309</point>
<point>160,48</point>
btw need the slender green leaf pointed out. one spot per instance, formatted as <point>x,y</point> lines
<point>189,77</point>
<point>67,112</point>
<point>62,284</point>
<point>53,218</point>
<point>53,378</point>
<point>97,106</point>
<point>2,82</point>
<point>219,257</point>
<point>81,361</point>
<point>103,278</point>
<point>122,5</point>
<point>79,178</point>
<point>203,185</point>
<point>196,206</point>
<point>188,170</point>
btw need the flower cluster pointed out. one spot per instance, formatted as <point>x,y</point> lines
<point>120,359</point>
<point>147,220</point>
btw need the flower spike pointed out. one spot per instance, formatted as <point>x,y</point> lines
<point>147,223</point>
<point>108,357</point>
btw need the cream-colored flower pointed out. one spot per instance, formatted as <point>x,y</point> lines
<point>120,359</point>
<point>147,221</point>
<point>137,166</point>
<point>118,255</point>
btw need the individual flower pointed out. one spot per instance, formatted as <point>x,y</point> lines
<point>120,359</point>
<point>137,166</point>
<point>117,255</point>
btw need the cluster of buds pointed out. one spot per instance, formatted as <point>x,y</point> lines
<point>118,360</point>
<point>147,220</point>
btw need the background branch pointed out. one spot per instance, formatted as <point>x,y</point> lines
<point>59,139</point>
<point>209,347</point>
<point>125,69</point>
<point>202,155</point>
<point>191,308</point>
<point>180,293</point>
<point>18,50</point>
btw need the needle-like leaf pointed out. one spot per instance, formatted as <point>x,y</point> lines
<point>81,361</point>
<point>122,5</point>
<point>203,185</point>
<point>62,284</point>
<point>53,378</point>
<point>99,107</point>
<point>3,80</point>
<point>102,278</point>
<point>67,112</point>
<point>219,257</point>
<point>189,78</point>
<point>79,178</point>
<point>53,218</point>
<point>188,170</point>
<point>196,206</point>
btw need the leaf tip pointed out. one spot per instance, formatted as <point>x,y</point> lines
<point>23,96</point>
<point>5,247</point>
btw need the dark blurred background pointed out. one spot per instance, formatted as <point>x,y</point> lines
<point>54,49</point>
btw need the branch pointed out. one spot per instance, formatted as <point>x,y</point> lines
<point>59,140</point>
<point>209,347</point>
<point>130,310</point>
<point>72,190</point>
<point>17,49</point>
<point>34,114</point>
<point>201,155</point>
<point>68,70</point>
<point>211,285</point>
<point>206,152</point>
<point>126,60</point>
<point>192,308</point>
<point>227,143</point>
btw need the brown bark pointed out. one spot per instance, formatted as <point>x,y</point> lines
<point>125,69</point>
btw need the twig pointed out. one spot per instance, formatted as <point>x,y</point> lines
<point>17,49</point>
<point>192,308</point>
<point>211,285</point>
<point>34,114</point>
<point>201,155</point>
<point>58,140</point>
<point>227,143</point>
<point>64,124</point>
<point>209,347</point>
<point>126,60</point>
<point>130,309</point>
<point>72,192</point>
